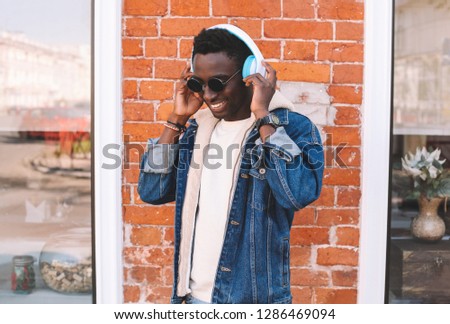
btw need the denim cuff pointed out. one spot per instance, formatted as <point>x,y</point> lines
<point>281,144</point>
<point>160,158</point>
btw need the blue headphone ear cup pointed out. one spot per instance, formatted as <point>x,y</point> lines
<point>249,66</point>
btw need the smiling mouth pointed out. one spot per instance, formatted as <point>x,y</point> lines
<point>217,105</point>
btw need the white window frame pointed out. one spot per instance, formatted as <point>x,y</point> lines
<point>376,130</point>
<point>107,130</point>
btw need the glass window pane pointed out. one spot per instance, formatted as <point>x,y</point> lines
<point>45,145</point>
<point>419,246</point>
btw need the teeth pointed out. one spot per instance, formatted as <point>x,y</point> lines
<point>217,105</point>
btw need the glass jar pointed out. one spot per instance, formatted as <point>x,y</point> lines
<point>65,261</point>
<point>22,276</point>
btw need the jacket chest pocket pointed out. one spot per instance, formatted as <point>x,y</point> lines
<point>261,194</point>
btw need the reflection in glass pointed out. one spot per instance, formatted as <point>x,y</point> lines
<point>419,265</point>
<point>45,145</point>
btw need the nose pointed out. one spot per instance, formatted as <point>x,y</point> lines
<point>208,94</point>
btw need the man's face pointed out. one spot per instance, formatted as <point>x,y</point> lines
<point>233,102</point>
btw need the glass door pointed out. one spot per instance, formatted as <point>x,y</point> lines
<point>45,149</point>
<point>418,243</point>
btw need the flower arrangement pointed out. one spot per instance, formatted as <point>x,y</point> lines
<point>429,178</point>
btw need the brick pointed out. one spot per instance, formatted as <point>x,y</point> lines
<point>133,153</point>
<point>189,7</point>
<point>298,9</point>
<point>164,110</point>
<point>168,275</point>
<point>345,278</point>
<point>169,69</point>
<point>169,235</point>
<point>239,8</point>
<point>348,73</point>
<point>145,236</point>
<point>345,94</point>
<point>131,174</point>
<point>301,295</point>
<point>149,215</point>
<point>341,177</point>
<point>302,72</point>
<point>309,235</point>
<point>141,27</point>
<point>326,197</point>
<point>347,116</point>
<point>137,68</point>
<point>348,157</point>
<point>309,278</point>
<point>148,256</point>
<point>341,52</point>
<point>132,47</point>
<point>349,31</point>
<point>299,51</point>
<point>141,132</point>
<point>156,90</point>
<point>329,156</point>
<point>336,216</point>
<point>163,47</point>
<point>126,195</point>
<point>159,295</point>
<point>187,26</point>
<point>186,47</point>
<point>335,296</point>
<point>348,197</point>
<point>305,216</point>
<point>347,236</point>
<point>269,49</point>
<point>131,294</point>
<point>147,275</point>
<point>298,29</point>
<point>341,135</point>
<point>137,198</point>
<point>331,256</point>
<point>129,89</point>
<point>137,111</point>
<point>300,255</point>
<point>341,9</point>
<point>145,7</point>
<point>253,27</point>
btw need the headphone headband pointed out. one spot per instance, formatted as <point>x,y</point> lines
<point>253,63</point>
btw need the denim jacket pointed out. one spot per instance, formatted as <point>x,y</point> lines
<point>275,179</point>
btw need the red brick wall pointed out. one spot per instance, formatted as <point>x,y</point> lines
<point>315,41</point>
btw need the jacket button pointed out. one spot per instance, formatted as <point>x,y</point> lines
<point>262,171</point>
<point>225,269</point>
<point>244,175</point>
<point>248,150</point>
<point>233,222</point>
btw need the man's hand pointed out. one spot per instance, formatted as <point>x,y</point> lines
<point>263,90</point>
<point>187,102</point>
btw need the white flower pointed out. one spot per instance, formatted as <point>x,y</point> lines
<point>433,172</point>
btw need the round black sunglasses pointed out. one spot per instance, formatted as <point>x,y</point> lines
<point>215,84</point>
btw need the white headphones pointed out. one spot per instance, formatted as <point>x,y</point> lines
<point>253,62</point>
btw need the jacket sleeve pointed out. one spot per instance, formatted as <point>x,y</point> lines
<point>293,161</point>
<point>157,178</point>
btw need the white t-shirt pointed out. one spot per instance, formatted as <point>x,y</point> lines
<point>217,185</point>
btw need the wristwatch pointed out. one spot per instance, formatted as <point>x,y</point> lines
<point>270,119</point>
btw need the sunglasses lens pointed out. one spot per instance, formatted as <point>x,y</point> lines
<point>194,85</point>
<point>215,85</point>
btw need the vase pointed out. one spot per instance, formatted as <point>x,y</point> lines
<point>428,226</point>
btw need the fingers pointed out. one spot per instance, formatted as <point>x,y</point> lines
<point>258,80</point>
<point>271,73</point>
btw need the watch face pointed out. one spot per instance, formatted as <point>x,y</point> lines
<point>275,120</point>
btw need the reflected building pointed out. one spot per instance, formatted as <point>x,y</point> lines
<point>34,74</point>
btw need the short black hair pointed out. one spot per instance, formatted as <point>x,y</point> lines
<point>217,40</point>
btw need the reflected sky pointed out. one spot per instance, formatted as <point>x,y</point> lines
<point>41,20</point>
